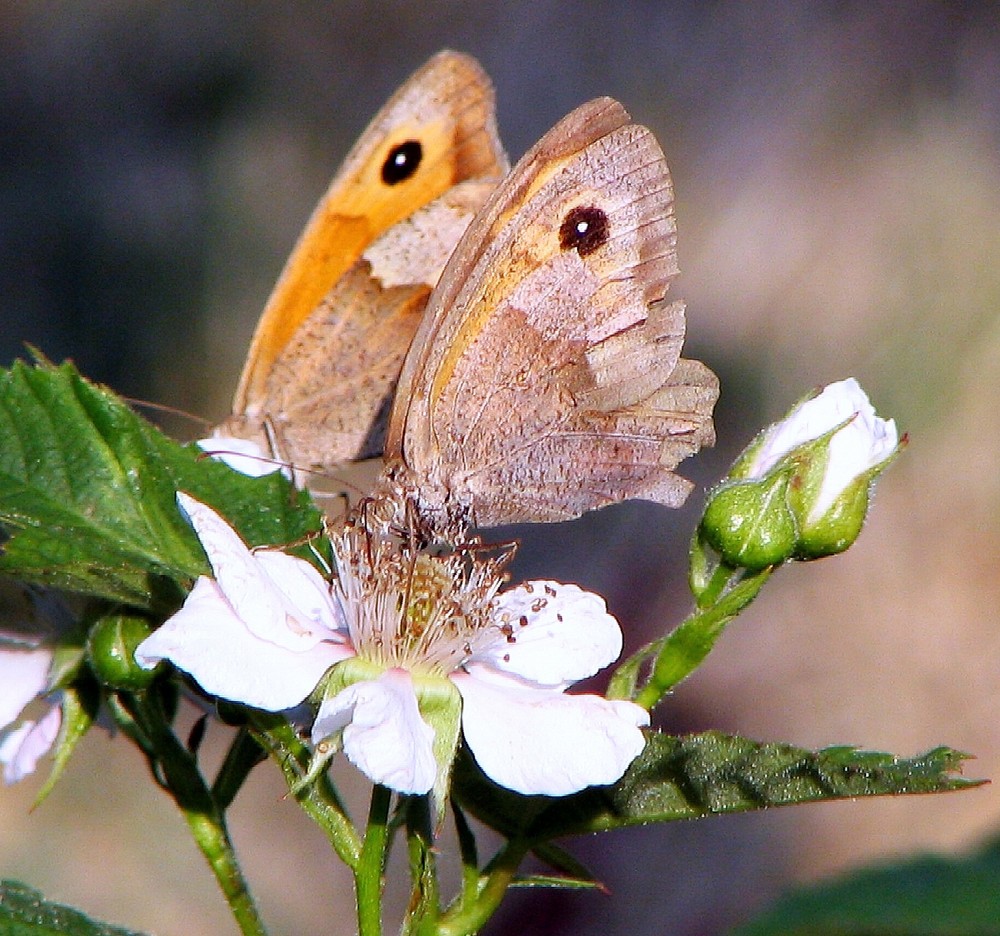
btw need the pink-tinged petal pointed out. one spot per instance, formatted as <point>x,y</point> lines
<point>23,677</point>
<point>544,742</point>
<point>558,634</point>
<point>21,750</point>
<point>242,455</point>
<point>248,582</point>
<point>384,735</point>
<point>206,639</point>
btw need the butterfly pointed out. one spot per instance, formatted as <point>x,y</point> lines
<point>542,377</point>
<point>324,359</point>
<point>545,378</point>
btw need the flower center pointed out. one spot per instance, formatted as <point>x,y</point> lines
<point>409,608</point>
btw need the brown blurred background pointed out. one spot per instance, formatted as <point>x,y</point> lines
<point>838,199</point>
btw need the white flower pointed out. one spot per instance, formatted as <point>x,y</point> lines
<point>22,748</point>
<point>863,443</point>
<point>24,675</point>
<point>263,631</point>
<point>414,633</point>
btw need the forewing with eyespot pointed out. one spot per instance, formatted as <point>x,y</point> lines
<point>539,383</point>
<point>355,286</point>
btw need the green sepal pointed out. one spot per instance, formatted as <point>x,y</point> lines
<point>749,524</point>
<point>841,524</point>
<point>79,704</point>
<point>441,707</point>
<point>839,527</point>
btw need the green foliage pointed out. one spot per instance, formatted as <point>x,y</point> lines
<point>24,912</point>
<point>79,708</point>
<point>927,895</point>
<point>87,488</point>
<point>702,775</point>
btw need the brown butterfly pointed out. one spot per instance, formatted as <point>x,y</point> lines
<point>545,378</point>
<point>318,380</point>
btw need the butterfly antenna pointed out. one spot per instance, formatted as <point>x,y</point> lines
<point>169,410</point>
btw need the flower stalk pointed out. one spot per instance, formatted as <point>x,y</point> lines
<point>205,817</point>
<point>368,874</point>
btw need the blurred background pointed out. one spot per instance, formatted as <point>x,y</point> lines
<point>838,197</point>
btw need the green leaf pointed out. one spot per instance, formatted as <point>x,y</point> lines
<point>24,912</point>
<point>706,774</point>
<point>926,895</point>
<point>87,488</point>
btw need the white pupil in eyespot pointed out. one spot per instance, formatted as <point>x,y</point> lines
<point>581,227</point>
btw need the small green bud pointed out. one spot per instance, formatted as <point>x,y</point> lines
<point>749,524</point>
<point>111,644</point>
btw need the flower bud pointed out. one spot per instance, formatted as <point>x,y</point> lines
<point>749,524</point>
<point>801,488</point>
<point>111,647</point>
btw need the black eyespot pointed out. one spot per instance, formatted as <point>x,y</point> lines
<point>402,162</point>
<point>586,228</point>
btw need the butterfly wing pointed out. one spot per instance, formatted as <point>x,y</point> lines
<point>356,283</point>
<point>545,379</point>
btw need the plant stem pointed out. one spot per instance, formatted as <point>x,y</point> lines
<point>425,899</point>
<point>184,782</point>
<point>470,855</point>
<point>368,873</point>
<point>685,648</point>
<point>720,578</point>
<point>317,796</point>
<point>471,917</point>
<point>210,833</point>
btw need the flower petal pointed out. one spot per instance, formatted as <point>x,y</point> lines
<point>816,416</point>
<point>384,735</point>
<point>242,455</point>
<point>317,615</point>
<point>561,634</point>
<point>240,577</point>
<point>23,676</point>
<point>21,750</point>
<point>209,641</point>
<point>543,742</point>
<point>250,583</point>
<point>865,442</point>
